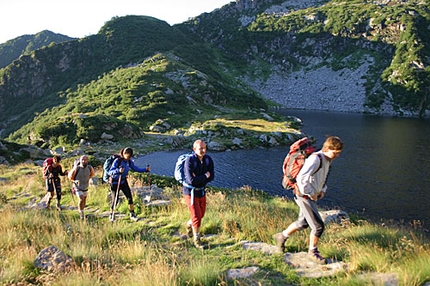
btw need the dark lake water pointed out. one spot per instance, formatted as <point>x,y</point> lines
<point>383,172</point>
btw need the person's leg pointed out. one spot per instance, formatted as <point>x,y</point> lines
<point>58,192</point>
<point>113,196</point>
<point>50,196</point>
<point>200,210</point>
<point>127,193</point>
<point>316,224</point>
<point>82,202</point>
<point>49,192</point>
<point>195,219</point>
<point>281,237</point>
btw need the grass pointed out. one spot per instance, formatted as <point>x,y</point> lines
<point>151,252</point>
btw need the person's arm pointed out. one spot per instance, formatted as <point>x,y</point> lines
<point>211,169</point>
<point>92,171</point>
<point>135,168</point>
<point>60,169</point>
<point>71,175</point>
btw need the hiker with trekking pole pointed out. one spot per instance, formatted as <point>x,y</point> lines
<point>51,173</point>
<point>80,175</point>
<point>118,173</point>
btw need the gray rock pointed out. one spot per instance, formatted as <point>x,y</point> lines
<point>242,272</point>
<point>306,267</point>
<point>106,136</point>
<point>236,141</point>
<point>53,259</point>
<point>334,216</point>
<point>216,146</point>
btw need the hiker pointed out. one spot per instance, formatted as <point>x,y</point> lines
<point>199,170</point>
<point>309,188</point>
<point>118,173</point>
<point>80,175</point>
<point>51,172</point>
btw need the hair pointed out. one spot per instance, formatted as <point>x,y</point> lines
<point>127,150</point>
<point>332,143</point>
<point>56,159</point>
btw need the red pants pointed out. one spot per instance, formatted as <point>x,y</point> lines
<point>197,210</point>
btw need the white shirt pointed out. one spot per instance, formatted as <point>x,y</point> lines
<point>310,180</point>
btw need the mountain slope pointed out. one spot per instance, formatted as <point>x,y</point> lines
<point>281,37</point>
<point>35,82</point>
<point>24,45</point>
<point>127,101</point>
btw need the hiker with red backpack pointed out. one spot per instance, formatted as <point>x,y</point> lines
<point>81,174</point>
<point>51,173</point>
<point>198,170</point>
<point>309,186</point>
<point>118,173</point>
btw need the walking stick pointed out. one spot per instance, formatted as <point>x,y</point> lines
<point>149,178</point>
<point>116,197</point>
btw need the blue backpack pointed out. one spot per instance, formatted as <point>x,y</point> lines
<point>106,167</point>
<point>179,168</point>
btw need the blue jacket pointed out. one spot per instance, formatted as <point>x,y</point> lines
<point>195,171</point>
<point>127,165</point>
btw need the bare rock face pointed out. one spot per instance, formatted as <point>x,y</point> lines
<point>53,259</point>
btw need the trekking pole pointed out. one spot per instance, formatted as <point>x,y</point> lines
<point>149,178</point>
<point>116,196</point>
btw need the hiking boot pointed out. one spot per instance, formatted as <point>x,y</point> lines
<point>280,240</point>
<point>81,215</point>
<point>317,257</point>
<point>189,230</point>
<point>133,217</point>
<point>198,243</point>
<point>112,217</point>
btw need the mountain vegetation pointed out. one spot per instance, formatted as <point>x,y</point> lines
<point>119,80</point>
<point>24,45</point>
<point>138,69</point>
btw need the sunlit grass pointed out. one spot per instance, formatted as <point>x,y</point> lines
<point>153,251</point>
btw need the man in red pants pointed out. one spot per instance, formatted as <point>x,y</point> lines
<point>199,170</point>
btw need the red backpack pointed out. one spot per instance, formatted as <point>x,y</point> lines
<point>293,162</point>
<point>47,167</point>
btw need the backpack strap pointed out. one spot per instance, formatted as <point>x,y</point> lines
<point>320,165</point>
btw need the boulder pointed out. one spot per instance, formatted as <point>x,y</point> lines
<point>53,259</point>
<point>216,146</point>
<point>106,136</point>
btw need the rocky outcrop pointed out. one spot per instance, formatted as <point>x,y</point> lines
<point>53,259</point>
<point>320,89</point>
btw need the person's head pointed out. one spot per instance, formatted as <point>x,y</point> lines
<point>199,147</point>
<point>127,153</point>
<point>332,147</point>
<point>56,160</point>
<point>84,161</point>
